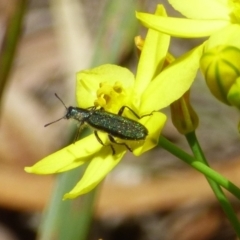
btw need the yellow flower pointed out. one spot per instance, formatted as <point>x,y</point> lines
<point>111,87</point>
<point>218,19</point>
<point>204,18</point>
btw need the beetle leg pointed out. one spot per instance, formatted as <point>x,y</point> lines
<point>91,108</point>
<point>101,142</point>
<point>120,112</point>
<point>111,138</point>
<point>78,131</point>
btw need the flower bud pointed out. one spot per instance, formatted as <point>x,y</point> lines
<point>234,94</point>
<point>221,68</point>
<point>139,42</point>
<point>184,118</point>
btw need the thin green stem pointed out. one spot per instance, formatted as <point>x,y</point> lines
<point>225,204</point>
<point>207,171</point>
<point>70,219</point>
<point>10,41</point>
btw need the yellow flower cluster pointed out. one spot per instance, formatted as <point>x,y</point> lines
<point>160,81</point>
<point>220,20</point>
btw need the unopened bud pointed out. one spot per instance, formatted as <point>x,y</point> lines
<point>221,68</point>
<point>184,118</point>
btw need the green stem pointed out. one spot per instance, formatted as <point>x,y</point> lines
<point>225,204</point>
<point>9,45</point>
<point>70,219</point>
<point>207,171</point>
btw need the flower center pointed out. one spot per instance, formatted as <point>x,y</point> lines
<point>111,98</point>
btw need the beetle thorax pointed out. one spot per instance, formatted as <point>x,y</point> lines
<point>78,114</point>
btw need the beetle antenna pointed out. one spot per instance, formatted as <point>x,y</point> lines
<point>61,101</point>
<point>61,117</point>
<point>54,121</point>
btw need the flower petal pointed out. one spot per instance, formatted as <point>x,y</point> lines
<point>180,27</point>
<point>152,56</point>
<point>88,81</point>
<point>172,83</point>
<point>231,35</point>
<point>203,9</point>
<point>154,124</point>
<point>67,158</point>
<point>97,170</point>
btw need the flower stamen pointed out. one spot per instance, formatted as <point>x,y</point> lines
<point>109,97</point>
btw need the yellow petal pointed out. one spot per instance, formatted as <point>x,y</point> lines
<point>153,54</point>
<point>180,27</point>
<point>226,36</point>
<point>154,124</point>
<point>172,82</point>
<point>67,158</point>
<point>88,82</point>
<point>203,9</point>
<point>97,170</point>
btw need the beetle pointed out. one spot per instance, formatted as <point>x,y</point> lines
<point>115,125</point>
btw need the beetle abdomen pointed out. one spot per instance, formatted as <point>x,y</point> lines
<point>117,126</point>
